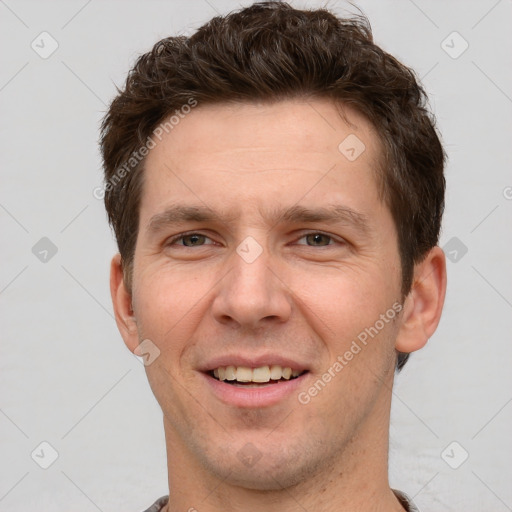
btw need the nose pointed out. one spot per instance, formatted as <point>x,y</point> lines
<point>252,294</point>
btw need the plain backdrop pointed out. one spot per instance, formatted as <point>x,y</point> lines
<point>66,378</point>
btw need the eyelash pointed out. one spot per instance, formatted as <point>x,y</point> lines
<point>177,238</point>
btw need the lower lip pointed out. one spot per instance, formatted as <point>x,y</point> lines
<point>263,396</point>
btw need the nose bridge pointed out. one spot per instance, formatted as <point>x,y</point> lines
<point>250,264</point>
<point>250,292</point>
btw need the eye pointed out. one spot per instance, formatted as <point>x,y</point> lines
<point>190,240</point>
<point>317,239</point>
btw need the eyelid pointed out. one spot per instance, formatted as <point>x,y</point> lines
<point>172,240</point>
<point>303,234</point>
<point>334,238</point>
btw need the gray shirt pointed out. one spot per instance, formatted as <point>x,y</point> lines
<point>402,498</point>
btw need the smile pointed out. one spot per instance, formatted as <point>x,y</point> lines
<point>254,377</point>
<point>246,387</point>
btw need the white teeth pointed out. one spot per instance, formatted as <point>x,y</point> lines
<point>230,373</point>
<point>276,372</point>
<point>261,374</point>
<point>243,374</point>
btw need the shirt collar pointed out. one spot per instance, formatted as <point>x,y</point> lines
<point>406,501</point>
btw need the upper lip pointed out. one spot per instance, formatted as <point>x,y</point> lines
<point>253,361</point>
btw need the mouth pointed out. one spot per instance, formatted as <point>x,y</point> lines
<point>254,387</point>
<point>262,376</point>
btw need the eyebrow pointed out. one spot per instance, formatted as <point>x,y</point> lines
<point>331,214</point>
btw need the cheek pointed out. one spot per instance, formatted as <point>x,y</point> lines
<point>167,302</point>
<point>169,305</point>
<point>345,312</point>
<point>342,303</point>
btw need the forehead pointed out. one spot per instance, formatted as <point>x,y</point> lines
<point>316,126</point>
<point>258,151</point>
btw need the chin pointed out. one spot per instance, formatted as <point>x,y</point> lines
<point>273,469</point>
<point>260,477</point>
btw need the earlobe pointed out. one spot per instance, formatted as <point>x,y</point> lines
<point>122,303</point>
<point>424,303</point>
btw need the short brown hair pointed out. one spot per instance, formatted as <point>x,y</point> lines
<point>270,52</point>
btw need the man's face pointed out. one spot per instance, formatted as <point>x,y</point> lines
<point>266,281</point>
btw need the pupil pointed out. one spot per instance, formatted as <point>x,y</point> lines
<point>317,238</point>
<point>193,239</point>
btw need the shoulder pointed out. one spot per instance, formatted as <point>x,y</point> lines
<point>158,505</point>
<point>406,501</point>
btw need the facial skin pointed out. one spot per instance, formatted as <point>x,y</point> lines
<point>304,297</point>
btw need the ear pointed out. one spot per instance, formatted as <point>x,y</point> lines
<point>122,302</point>
<point>424,303</point>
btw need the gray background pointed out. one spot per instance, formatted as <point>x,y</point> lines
<point>67,378</point>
